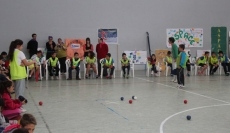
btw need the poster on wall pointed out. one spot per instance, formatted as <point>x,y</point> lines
<point>75,45</point>
<point>191,37</point>
<point>108,35</point>
<point>160,55</point>
<point>219,39</point>
<point>200,53</point>
<point>138,57</point>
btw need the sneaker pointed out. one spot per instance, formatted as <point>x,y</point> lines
<point>107,77</point>
<point>182,86</point>
<point>23,110</point>
<point>178,86</point>
<point>175,81</point>
<point>156,75</point>
<point>127,76</point>
<point>78,79</point>
<point>188,74</point>
<point>97,76</point>
<point>86,76</point>
<point>52,78</point>
<point>227,74</point>
<point>152,73</point>
<point>110,77</point>
<point>57,77</point>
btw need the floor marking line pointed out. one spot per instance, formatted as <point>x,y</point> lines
<point>197,108</point>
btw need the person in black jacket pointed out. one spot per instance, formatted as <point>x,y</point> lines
<point>50,45</point>
<point>32,45</point>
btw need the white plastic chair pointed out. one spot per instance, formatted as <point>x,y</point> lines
<point>131,68</point>
<point>68,63</point>
<point>28,72</point>
<point>221,67</point>
<point>149,67</point>
<point>91,69</point>
<point>198,67</point>
<point>47,71</point>
<point>166,67</point>
<point>101,61</point>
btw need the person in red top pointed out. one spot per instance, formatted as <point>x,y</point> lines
<point>152,62</point>
<point>102,50</point>
<point>12,107</point>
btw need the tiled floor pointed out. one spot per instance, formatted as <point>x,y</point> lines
<point>94,106</point>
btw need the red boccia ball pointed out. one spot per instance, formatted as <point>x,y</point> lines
<point>40,103</point>
<point>130,101</point>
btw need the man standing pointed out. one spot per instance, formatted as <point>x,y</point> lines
<point>174,57</point>
<point>101,49</point>
<point>32,45</point>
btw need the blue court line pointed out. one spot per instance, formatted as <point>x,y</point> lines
<point>112,110</point>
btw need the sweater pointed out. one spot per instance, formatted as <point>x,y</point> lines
<point>174,51</point>
<point>10,104</point>
<point>101,49</point>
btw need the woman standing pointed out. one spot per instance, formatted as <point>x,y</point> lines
<point>18,62</point>
<point>60,49</point>
<point>87,47</point>
<point>50,45</point>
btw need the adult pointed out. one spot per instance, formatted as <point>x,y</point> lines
<point>50,45</point>
<point>87,47</point>
<point>171,41</point>
<point>60,49</point>
<point>32,45</point>
<point>102,50</point>
<point>18,62</point>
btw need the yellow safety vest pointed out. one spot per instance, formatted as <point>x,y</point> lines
<point>89,60</point>
<point>213,60</point>
<point>53,63</point>
<point>75,62</point>
<point>108,63</point>
<point>125,62</point>
<point>169,59</point>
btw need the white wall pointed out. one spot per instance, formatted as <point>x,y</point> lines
<point>82,18</point>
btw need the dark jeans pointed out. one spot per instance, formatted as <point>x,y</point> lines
<point>225,65</point>
<point>128,69</point>
<point>105,70</point>
<point>62,64</point>
<point>43,70</point>
<point>99,67</point>
<point>77,72</point>
<point>213,69</point>
<point>51,70</point>
<point>180,76</point>
<point>154,68</point>
<point>170,65</point>
<point>188,66</point>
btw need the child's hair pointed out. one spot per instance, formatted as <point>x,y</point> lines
<point>21,130</point>
<point>153,55</point>
<point>123,54</point>
<point>108,54</point>
<point>4,85</point>
<point>206,52</point>
<point>169,52</point>
<point>53,53</point>
<point>33,34</point>
<point>1,57</point>
<point>101,39</point>
<point>12,47</point>
<point>171,39</point>
<point>92,55</point>
<point>3,53</point>
<point>213,53</point>
<point>75,53</point>
<point>27,119</point>
<point>2,103</point>
<point>39,51</point>
<point>221,52</point>
<point>182,46</point>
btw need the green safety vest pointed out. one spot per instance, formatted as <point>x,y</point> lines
<point>89,60</point>
<point>179,59</point>
<point>53,63</point>
<point>16,70</point>
<point>125,62</point>
<point>75,62</point>
<point>202,61</point>
<point>169,59</point>
<point>213,60</point>
<point>222,59</point>
<point>108,63</point>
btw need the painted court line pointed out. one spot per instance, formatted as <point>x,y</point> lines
<point>197,108</point>
<point>189,92</point>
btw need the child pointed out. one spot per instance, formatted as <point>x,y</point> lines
<point>90,63</point>
<point>12,108</point>
<point>5,60</point>
<point>152,62</point>
<point>224,62</point>
<point>213,62</point>
<point>27,121</point>
<point>125,63</point>
<point>21,130</point>
<point>181,64</point>
<point>202,61</point>
<point>53,66</point>
<point>3,70</point>
<point>188,66</point>
<point>168,59</point>
<point>75,62</point>
<point>3,122</point>
<point>108,64</point>
<point>36,59</point>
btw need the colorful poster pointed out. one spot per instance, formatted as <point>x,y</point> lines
<point>75,45</point>
<point>138,57</point>
<point>160,55</point>
<point>109,35</point>
<point>200,53</point>
<point>191,37</point>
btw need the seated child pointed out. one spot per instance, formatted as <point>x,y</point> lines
<point>108,64</point>
<point>125,64</point>
<point>53,66</point>
<point>27,121</point>
<point>12,108</point>
<point>90,63</point>
<point>36,59</point>
<point>3,69</point>
<point>224,62</point>
<point>202,61</point>
<point>3,122</point>
<point>43,64</point>
<point>213,62</point>
<point>168,59</point>
<point>74,64</point>
<point>5,60</point>
<point>152,62</point>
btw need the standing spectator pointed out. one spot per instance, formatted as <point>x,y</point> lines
<point>171,41</point>
<point>60,49</point>
<point>87,47</point>
<point>32,45</point>
<point>102,50</point>
<point>50,45</point>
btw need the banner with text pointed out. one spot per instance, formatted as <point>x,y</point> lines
<point>75,45</point>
